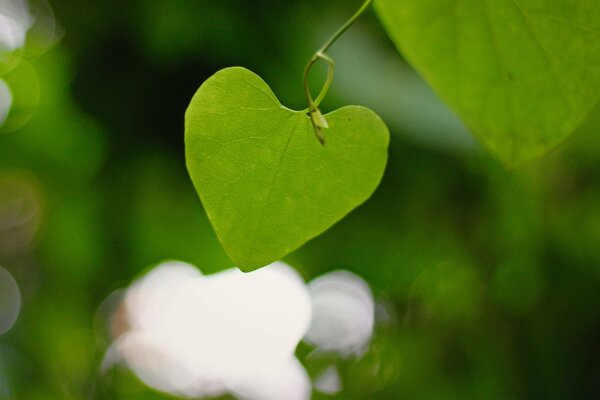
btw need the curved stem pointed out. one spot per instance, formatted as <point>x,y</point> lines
<point>317,118</point>
<point>329,81</point>
<point>314,104</point>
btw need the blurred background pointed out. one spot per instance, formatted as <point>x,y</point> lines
<point>462,279</point>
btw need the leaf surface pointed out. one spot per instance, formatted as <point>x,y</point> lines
<point>267,184</point>
<point>522,74</point>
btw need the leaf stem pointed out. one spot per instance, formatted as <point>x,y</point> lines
<point>345,27</point>
<point>317,118</point>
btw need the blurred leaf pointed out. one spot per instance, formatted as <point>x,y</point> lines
<point>267,184</point>
<point>401,97</point>
<point>522,74</point>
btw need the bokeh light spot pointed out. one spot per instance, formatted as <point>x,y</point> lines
<point>329,381</point>
<point>10,301</point>
<point>343,315</point>
<point>15,21</point>
<point>5,101</point>
<point>21,206</point>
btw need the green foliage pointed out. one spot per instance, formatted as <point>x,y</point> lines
<point>488,282</point>
<point>522,74</point>
<point>267,184</point>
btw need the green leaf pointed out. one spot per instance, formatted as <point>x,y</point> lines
<point>522,74</point>
<point>267,184</point>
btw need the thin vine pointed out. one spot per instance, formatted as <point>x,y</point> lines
<point>318,120</point>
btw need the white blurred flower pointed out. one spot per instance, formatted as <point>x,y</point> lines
<point>195,336</point>
<point>15,21</point>
<point>343,313</point>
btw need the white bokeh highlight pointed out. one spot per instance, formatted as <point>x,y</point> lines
<point>6,100</point>
<point>329,381</point>
<point>343,313</point>
<point>196,336</point>
<point>10,301</point>
<point>15,21</point>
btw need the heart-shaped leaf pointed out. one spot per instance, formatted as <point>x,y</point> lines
<point>522,74</point>
<point>267,184</point>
